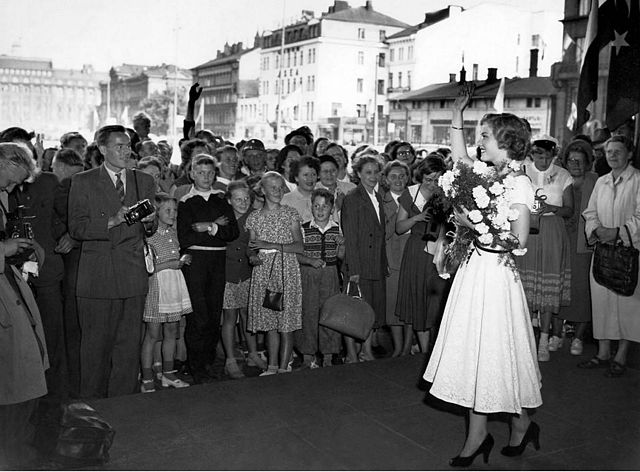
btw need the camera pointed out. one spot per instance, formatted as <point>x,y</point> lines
<point>19,226</point>
<point>432,230</point>
<point>138,211</point>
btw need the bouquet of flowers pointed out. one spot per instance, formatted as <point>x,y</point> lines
<point>479,190</point>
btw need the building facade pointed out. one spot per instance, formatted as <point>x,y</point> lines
<point>36,96</point>
<point>426,112</point>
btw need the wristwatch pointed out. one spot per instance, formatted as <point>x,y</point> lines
<point>209,228</point>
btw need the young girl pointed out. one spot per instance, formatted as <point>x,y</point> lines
<point>238,281</point>
<point>167,300</point>
<point>323,246</point>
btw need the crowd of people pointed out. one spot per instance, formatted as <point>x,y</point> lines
<point>242,246</point>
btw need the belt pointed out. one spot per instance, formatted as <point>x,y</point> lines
<point>486,249</point>
<point>207,248</point>
<point>267,251</point>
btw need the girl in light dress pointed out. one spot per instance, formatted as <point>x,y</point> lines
<point>485,358</point>
<point>167,300</point>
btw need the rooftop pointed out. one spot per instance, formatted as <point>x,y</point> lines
<point>365,14</point>
<point>430,18</point>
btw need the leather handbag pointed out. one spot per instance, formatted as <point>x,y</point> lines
<point>74,436</point>
<point>274,300</point>
<point>349,315</point>
<point>615,266</point>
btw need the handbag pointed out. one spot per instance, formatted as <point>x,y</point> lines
<point>274,300</point>
<point>75,436</point>
<point>349,315</point>
<point>615,266</point>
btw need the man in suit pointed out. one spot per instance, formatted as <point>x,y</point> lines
<point>112,279</point>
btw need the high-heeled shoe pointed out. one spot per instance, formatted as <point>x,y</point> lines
<point>531,436</point>
<point>484,449</point>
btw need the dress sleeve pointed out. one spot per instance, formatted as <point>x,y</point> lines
<point>250,223</point>
<point>522,192</point>
<point>293,214</point>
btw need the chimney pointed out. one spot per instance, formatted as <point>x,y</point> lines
<point>533,63</point>
<point>463,75</point>
<point>454,10</point>
<point>368,5</point>
<point>492,75</point>
<point>227,49</point>
<point>452,78</point>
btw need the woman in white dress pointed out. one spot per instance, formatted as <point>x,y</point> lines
<point>484,358</point>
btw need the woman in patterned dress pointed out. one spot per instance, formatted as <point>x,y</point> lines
<point>275,233</point>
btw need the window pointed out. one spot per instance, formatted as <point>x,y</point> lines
<point>381,59</point>
<point>382,35</point>
<point>380,86</point>
<point>409,79</point>
<point>360,57</point>
<point>535,41</point>
<point>361,110</point>
<point>277,61</point>
<point>410,53</point>
<point>360,86</point>
<point>360,33</point>
<point>474,73</point>
<point>288,59</point>
<point>400,79</point>
<point>390,79</point>
<point>579,48</point>
<point>293,88</point>
<point>416,133</point>
<point>392,53</point>
<point>295,59</point>
<point>288,85</point>
<point>401,54</point>
<point>537,102</point>
<point>335,109</point>
<point>301,57</point>
<point>313,83</point>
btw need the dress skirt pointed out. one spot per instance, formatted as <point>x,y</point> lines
<point>168,297</point>
<point>422,294</point>
<point>579,310</point>
<point>546,269</point>
<point>485,355</point>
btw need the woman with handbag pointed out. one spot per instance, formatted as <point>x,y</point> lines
<point>577,159</point>
<point>275,301</point>
<point>613,214</point>
<point>545,269</point>
<point>365,262</point>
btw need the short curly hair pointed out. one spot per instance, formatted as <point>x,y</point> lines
<point>511,133</point>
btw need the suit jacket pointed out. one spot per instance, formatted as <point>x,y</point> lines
<point>23,352</point>
<point>38,198</point>
<point>111,260</point>
<point>72,258</point>
<point>394,242</point>
<point>364,233</point>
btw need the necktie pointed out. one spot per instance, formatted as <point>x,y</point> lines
<point>120,187</point>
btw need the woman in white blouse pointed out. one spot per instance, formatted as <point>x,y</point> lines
<point>614,205</point>
<point>546,269</point>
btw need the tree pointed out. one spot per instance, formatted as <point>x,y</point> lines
<point>159,106</point>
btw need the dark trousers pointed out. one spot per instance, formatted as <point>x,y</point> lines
<point>71,321</point>
<point>110,345</point>
<point>205,279</point>
<point>16,434</point>
<point>51,305</point>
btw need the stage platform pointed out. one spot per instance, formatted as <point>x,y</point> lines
<point>367,416</point>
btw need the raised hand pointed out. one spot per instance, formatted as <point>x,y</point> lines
<point>465,93</point>
<point>194,92</point>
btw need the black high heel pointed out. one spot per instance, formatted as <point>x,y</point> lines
<point>484,449</point>
<point>531,436</point>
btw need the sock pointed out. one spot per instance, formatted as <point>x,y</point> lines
<point>147,373</point>
<point>544,337</point>
<point>167,366</point>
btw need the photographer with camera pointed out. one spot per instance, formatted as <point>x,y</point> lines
<point>112,276</point>
<point>23,352</point>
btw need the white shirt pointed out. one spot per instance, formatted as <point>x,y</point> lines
<point>551,182</point>
<point>193,192</point>
<point>112,176</point>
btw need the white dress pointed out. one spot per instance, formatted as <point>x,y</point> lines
<point>485,355</point>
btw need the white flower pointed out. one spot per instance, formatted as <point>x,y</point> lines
<point>446,182</point>
<point>519,252</point>
<point>514,165</point>
<point>481,168</point>
<point>513,214</point>
<point>485,239</point>
<point>504,235</point>
<point>445,275</point>
<point>475,216</point>
<point>497,188</point>
<point>482,228</point>
<point>481,197</point>
<point>456,171</point>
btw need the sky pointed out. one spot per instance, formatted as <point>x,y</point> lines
<point>105,33</point>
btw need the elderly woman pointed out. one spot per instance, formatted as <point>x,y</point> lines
<point>396,178</point>
<point>614,208</point>
<point>365,262</point>
<point>421,292</point>
<point>577,159</point>
<point>545,268</point>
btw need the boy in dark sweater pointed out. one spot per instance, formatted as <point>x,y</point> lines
<point>206,223</point>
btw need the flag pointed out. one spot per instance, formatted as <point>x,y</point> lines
<point>599,34</point>
<point>573,116</point>
<point>124,117</point>
<point>200,117</point>
<point>498,103</point>
<point>623,92</point>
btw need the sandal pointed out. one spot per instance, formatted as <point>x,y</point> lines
<point>615,370</point>
<point>594,363</point>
